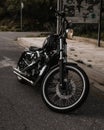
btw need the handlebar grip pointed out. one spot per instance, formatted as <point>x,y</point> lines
<point>59,13</point>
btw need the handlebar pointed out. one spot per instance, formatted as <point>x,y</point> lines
<point>65,24</point>
<point>59,13</point>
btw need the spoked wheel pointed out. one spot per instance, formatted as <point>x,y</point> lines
<point>73,92</point>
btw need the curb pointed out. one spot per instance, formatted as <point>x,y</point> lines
<point>27,42</point>
<point>88,40</point>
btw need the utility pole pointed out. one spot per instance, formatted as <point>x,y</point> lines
<point>21,14</point>
<point>99,24</point>
<point>59,6</point>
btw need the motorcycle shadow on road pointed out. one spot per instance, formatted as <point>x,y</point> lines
<point>93,107</point>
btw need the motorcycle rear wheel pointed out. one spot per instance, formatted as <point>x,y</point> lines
<point>20,66</point>
<point>73,96</point>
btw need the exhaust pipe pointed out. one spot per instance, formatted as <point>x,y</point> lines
<point>18,73</point>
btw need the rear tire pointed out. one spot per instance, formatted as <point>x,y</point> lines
<point>76,92</point>
<point>20,66</point>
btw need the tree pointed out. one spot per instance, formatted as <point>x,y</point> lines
<point>35,12</point>
<point>2,8</point>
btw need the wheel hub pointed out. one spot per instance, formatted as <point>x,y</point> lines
<point>67,92</point>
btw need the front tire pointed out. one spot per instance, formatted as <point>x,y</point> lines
<point>75,93</point>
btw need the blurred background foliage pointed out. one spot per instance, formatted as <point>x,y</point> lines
<point>38,17</point>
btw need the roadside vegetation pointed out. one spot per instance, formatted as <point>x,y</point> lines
<point>38,17</point>
<point>89,30</point>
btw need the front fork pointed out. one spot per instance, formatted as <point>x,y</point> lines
<point>62,60</point>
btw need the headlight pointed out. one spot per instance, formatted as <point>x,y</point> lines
<point>69,33</point>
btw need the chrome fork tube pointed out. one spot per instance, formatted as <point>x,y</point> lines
<point>61,63</point>
<point>61,49</point>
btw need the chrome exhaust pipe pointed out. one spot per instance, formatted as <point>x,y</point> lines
<point>18,73</point>
<point>17,70</point>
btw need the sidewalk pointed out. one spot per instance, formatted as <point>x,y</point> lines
<point>86,54</point>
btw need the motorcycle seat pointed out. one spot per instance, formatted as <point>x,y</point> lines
<point>32,48</point>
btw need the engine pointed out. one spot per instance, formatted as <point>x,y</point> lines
<point>31,62</point>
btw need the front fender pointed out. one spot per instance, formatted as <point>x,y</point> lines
<point>67,63</point>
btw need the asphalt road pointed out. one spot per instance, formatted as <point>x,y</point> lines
<point>21,106</point>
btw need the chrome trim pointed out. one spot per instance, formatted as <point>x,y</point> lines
<point>18,73</point>
<point>42,70</point>
<point>38,54</point>
<point>61,47</point>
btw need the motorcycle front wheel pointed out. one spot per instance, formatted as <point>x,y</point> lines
<point>69,97</point>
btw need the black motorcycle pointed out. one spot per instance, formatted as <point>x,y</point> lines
<point>64,85</point>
